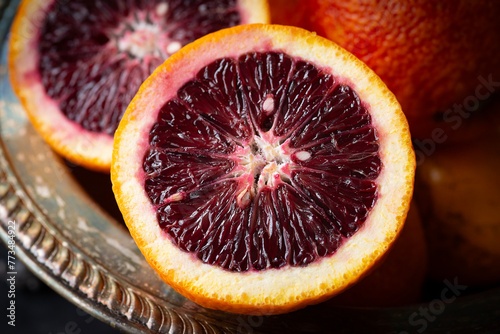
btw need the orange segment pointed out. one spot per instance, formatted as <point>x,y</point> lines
<point>76,67</point>
<point>263,168</point>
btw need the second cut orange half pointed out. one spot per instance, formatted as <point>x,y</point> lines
<point>76,65</point>
<point>263,168</point>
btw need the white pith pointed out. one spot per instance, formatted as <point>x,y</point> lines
<point>140,41</point>
<point>141,35</point>
<point>263,163</point>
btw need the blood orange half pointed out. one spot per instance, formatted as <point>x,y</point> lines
<point>76,65</point>
<point>263,168</point>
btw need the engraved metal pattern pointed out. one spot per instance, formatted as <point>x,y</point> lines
<point>59,262</point>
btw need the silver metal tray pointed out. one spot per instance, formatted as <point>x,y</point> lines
<point>69,234</point>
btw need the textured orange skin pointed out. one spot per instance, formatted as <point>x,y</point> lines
<point>429,53</point>
<point>398,280</point>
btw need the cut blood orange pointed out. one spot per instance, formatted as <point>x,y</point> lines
<point>263,168</point>
<point>76,65</point>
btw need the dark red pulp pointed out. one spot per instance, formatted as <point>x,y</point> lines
<point>94,54</point>
<point>261,162</point>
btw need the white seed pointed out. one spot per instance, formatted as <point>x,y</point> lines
<point>174,47</point>
<point>243,198</point>
<point>175,197</point>
<point>285,177</point>
<point>162,9</point>
<point>268,104</point>
<point>303,155</point>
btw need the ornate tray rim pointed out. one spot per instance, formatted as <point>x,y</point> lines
<point>69,271</point>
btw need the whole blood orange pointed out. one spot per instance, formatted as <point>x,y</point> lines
<point>437,57</point>
<point>76,65</point>
<point>263,168</point>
